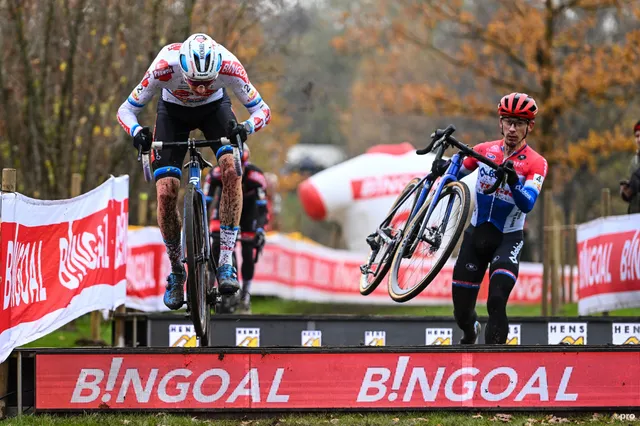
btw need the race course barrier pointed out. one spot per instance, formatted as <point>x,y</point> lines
<point>299,269</point>
<point>302,379</point>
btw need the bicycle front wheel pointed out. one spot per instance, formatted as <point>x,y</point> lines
<point>197,264</point>
<point>379,259</point>
<point>428,242</point>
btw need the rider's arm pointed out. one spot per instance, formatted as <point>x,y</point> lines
<point>139,97</point>
<point>238,80</point>
<point>525,196</point>
<point>469,164</point>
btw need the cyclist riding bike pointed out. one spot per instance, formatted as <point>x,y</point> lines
<point>253,220</point>
<point>193,77</point>
<point>495,236</point>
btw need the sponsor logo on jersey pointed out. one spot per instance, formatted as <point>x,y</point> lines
<point>515,251</point>
<point>537,181</point>
<point>267,115</point>
<point>257,122</point>
<point>145,80</point>
<point>163,71</point>
<point>491,156</point>
<point>521,157</point>
<point>234,69</point>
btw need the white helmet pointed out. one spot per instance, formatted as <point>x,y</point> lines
<point>200,59</point>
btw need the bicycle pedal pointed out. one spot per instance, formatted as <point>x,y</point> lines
<point>364,269</point>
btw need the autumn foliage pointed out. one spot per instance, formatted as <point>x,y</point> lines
<point>578,59</point>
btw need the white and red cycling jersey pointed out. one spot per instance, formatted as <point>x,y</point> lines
<point>507,207</point>
<point>164,75</point>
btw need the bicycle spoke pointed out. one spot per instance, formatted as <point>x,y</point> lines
<point>422,256</point>
<point>425,255</point>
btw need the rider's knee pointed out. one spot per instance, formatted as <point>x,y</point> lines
<point>500,286</point>
<point>167,189</point>
<point>229,175</point>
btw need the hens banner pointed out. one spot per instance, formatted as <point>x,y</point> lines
<point>60,260</point>
<point>609,263</point>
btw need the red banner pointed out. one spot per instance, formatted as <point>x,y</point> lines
<point>338,380</point>
<point>296,269</point>
<point>61,259</point>
<point>609,264</point>
<point>147,270</point>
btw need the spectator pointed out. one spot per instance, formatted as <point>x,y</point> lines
<point>630,189</point>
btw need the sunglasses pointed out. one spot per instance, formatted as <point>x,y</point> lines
<point>517,122</point>
<point>196,83</point>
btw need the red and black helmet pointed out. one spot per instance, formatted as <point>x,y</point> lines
<point>636,127</point>
<point>518,105</point>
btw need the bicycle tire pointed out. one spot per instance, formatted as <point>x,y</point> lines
<point>461,190</point>
<point>368,286</point>
<point>198,269</point>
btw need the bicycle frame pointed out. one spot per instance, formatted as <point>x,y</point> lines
<point>195,172</point>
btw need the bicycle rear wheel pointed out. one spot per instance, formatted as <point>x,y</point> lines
<point>197,263</point>
<point>428,242</point>
<point>379,260</point>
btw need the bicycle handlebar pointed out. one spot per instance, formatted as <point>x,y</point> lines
<point>192,144</point>
<point>445,137</point>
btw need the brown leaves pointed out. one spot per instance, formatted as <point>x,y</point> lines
<point>505,418</point>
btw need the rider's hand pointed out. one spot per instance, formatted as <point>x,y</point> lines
<point>512,176</point>
<point>237,129</point>
<point>143,140</point>
<point>260,239</point>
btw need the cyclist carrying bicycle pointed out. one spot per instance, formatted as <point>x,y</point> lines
<point>193,77</point>
<point>495,236</point>
<point>252,221</point>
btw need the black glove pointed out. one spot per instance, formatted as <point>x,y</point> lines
<point>512,176</point>
<point>236,129</point>
<point>143,140</point>
<point>260,239</point>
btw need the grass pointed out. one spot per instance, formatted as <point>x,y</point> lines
<point>67,336</point>
<point>436,418</point>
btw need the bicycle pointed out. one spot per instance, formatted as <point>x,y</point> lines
<point>195,239</point>
<point>414,206</point>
